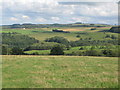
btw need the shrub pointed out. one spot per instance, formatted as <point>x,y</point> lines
<point>16,51</point>
<point>4,50</point>
<point>57,39</point>
<point>81,48</point>
<point>93,53</point>
<point>115,29</point>
<point>93,28</point>
<point>57,50</point>
<point>111,53</point>
<point>44,46</point>
<point>78,36</point>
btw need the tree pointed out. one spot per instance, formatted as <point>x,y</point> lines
<point>107,36</point>
<point>78,36</point>
<point>115,29</point>
<point>17,40</point>
<point>113,37</point>
<point>81,48</point>
<point>16,51</point>
<point>4,50</point>
<point>58,40</point>
<point>111,53</point>
<point>93,53</point>
<point>93,28</point>
<point>57,50</point>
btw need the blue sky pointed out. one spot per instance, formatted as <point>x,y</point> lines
<point>53,11</point>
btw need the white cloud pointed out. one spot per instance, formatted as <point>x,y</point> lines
<point>51,11</point>
<point>40,20</point>
<point>88,0</point>
<point>55,18</point>
<point>25,17</point>
<point>13,19</point>
<point>104,9</point>
<point>81,19</point>
<point>68,12</point>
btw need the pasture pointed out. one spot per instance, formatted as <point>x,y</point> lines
<point>73,49</point>
<point>43,33</point>
<point>27,71</point>
<point>37,71</point>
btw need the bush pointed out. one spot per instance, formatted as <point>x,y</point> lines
<point>57,50</point>
<point>17,40</point>
<point>16,51</point>
<point>93,53</point>
<point>57,39</point>
<point>115,29</point>
<point>44,46</point>
<point>56,30</point>
<point>110,53</point>
<point>78,36</point>
<point>75,53</point>
<point>81,48</point>
<point>4,50</point>
<point>93,28</point>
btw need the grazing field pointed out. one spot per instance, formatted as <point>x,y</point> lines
<point>42,52</point>
<point>43,33</point>
<point>21,71</point>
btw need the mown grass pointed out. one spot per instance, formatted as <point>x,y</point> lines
<point>21,71</point>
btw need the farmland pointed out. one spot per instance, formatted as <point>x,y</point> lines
<point>89,59</point>
<point>76,36</point>
<point>59,44</point>
<point>21,71</point>
<point>42,33</point>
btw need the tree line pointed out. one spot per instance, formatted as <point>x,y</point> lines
<point>16,44</point>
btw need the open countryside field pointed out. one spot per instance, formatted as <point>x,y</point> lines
<point>27,71</point>
<point>43,33</point>
<point>47,52</point>
<point>36,68</point>
<point>59,44</point>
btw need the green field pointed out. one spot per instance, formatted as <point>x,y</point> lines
<point>76,49</point>
<point>43,33</point>
<point>27,71</point>
<point>45,71</point>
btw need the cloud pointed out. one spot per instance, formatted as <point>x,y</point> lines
<point>13,19</point>
<point>50,11</point>
<point>25,17</point>
<point>88,0</point>
<point>55,18</point>
<point>104,9</point>
<point>40,20</point>
<point>81,19</point>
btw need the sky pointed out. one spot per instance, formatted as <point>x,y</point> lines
<point>58,11</point>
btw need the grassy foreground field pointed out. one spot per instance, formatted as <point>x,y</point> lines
<point>59,72</point>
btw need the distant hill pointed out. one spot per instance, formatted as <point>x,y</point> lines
<point>29,25</point>
<point>115,29</point>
